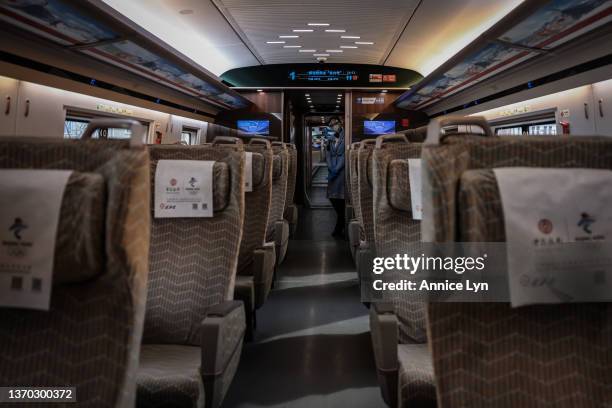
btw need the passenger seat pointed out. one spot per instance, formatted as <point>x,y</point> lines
<point>537,355</point>
<point>397,323</point>
<point>257,258</point>
<point>291,210</point>
<point>193,329</point>
<point>90,337</point>
<point>365,252</point>
<point>278,227</point>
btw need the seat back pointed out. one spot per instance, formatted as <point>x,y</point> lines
<point>257,203</point>
<point>395,229</point>
<point>90,337</point>
<point>353,184</point>
<point>544,355</point>
<point>280,175</point>
<point>364,177</point>
<point>193,260</point>
<point>292,174</point>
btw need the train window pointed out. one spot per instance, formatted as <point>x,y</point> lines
<point>74,128</point>
<point>531,129</point>
<point>189,136</point>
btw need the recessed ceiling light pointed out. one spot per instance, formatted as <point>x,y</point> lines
<point>340,95</point>
<point>320,55</point>
<point>307,94</point>
<point>186,11</point>
<point>334,51</point>
<point>288,36</point>
<point>335,31</point>
<point>260,90</point>
<point>384,91</point>
<point>350,37</point>
<point>308,50</point>
<point>348,46</point>
<point>275,42</point>
<point>364,43</point>
<point>302,31</point>
<point>292,46</point>
<point>318,24</point>
<point>337,106</point>
<point>311,106</point>
<point>321,58</point>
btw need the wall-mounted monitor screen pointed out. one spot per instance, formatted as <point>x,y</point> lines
<point>378,127</point>
<point>254,127</point>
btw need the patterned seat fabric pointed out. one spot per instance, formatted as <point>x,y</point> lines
<point>365,188</point>
<point>491,354</point>
<point>90,338</point>
<point>356,235</point>
<point>290,212</point>
<point>257,206</point>
<point>396,232</point>
<point>256,259</point>
<point>193,269</point>
<point>278,228</point>
<point>416,379</point>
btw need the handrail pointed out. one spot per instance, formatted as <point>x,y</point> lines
<point>437,124</point>
<point>138,130</point>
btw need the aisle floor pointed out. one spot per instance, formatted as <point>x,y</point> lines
<point>312,346</point>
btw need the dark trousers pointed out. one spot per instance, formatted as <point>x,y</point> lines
<point>338,204</point>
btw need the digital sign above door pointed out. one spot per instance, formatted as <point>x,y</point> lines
<point>321,75</point>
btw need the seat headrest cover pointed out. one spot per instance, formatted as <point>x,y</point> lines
<point>80,241</point>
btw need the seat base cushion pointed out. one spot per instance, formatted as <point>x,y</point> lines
<point>416,377</point>
<point>169,376</point>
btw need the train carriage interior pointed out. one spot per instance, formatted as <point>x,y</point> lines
<point>275,203</point>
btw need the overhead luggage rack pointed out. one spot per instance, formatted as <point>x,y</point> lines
<point>95,29</point>
<point>533,29</point>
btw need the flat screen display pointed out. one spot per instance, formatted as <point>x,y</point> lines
<point>378,127</point>
<point>255,127</point>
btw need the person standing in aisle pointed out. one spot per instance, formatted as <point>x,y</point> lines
<point>335,167</point>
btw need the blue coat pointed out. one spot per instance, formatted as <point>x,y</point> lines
<point>335,167</point>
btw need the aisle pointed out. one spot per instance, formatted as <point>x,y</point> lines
<point>312,345</point>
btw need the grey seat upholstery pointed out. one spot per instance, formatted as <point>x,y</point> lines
<point>355,228</point>
<point>291,210</point>
<point>536,356</point>
<point>190,310</point>
<point>278,227</point>
<point>90,337</point>
<point>396,232</point>
<point>365,253</point>
<point>257,258</point>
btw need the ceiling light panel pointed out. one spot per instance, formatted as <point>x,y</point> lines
<point>378,21</point>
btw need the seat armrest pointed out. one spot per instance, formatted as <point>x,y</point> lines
<point>264,260</point>
<point>222,331</point>
<point>384,331</point>
<point>281,232</point>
